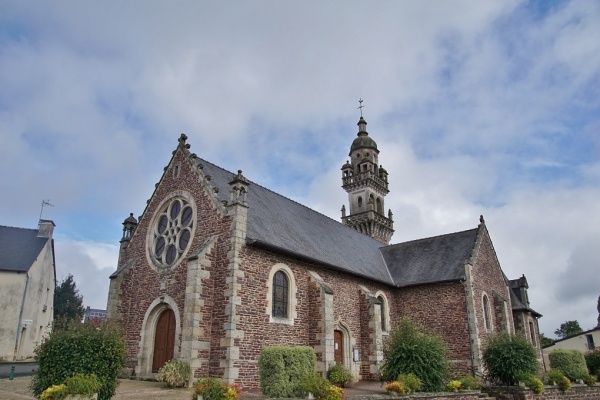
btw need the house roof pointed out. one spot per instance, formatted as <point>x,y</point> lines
<point>19,248</point>
<point>280,224</point>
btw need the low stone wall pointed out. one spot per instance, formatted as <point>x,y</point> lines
<point>577,392</point>
<point>421,396</point>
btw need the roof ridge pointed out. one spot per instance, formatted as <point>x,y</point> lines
<point>19,227</point>
<point>287,198</point>
<point>432,237</point>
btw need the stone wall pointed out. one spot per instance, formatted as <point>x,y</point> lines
<point>577,392</point>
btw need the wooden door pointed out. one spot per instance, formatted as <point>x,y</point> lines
<point>164,339</point>
<point>338,347</point>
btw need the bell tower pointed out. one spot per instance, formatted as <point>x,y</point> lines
<point>367,185</point>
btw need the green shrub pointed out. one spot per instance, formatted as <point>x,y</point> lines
<point>470,382</point>
<point>453,386</point>
<point>175,373</point>
<point>76,348</point>
<point>570,362</point>
<point>408,349</point>
<point>396,387</point>
<point>283,368</point>
<point>553,376</point>
<point>508,356</point>
<point>339,375</point>
<point>564,384</point>
<point>592,359</point>
<point>84,384</point>
<point>215,389</point>
<point>54,392</point>
<point>532,382</point>
<point>411,381</point>
<point>589,380</point>
<point>320,388</point>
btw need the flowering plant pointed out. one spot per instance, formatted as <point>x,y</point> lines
<point>54,392</point>
<point>395,387</point>
<point>453,386</point>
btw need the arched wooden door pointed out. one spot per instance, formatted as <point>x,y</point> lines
<point>164,339</point>
<point>338,347</point>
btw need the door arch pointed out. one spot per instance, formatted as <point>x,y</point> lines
<point>164,339</point>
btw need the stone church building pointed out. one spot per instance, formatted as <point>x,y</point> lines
<point>218,266</point>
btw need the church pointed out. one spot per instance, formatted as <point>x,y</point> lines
<point>217,267</point>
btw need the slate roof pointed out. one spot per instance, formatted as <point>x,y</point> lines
<point>280,224</point>
<point>19,248</point>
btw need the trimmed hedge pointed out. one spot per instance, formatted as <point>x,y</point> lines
<point>75,348</point>
<point>283,368</point>
<point>569,362</point>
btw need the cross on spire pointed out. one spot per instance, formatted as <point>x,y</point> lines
<point>360,107</point>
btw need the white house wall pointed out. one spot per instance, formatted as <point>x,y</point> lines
<point>11,297</point>
<point>39,303</point>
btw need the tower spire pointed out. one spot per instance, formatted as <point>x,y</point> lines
<point>366,183</point>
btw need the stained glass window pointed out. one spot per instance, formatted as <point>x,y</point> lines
<point>280,295</point>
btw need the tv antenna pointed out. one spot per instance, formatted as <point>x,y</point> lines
<point>45,203</point>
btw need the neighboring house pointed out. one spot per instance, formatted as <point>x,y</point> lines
<point>27,281</point>
<point>584,342</point>
<point>94,315</point>
<point>218,267</point>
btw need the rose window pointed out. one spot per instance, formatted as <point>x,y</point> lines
<point>172,232</point>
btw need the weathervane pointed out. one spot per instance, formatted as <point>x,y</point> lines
<point>360,107</point>
<point>45,203</point>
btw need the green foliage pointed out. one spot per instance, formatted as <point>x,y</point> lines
<point>84,384</point>
<point>320,388</point>
<point>545,341</point>
<point>215,389</point>
<point>453,386</point>
<point>592,359</point>
<point>570,362</point>
<point>589,380</point>
<point>532,382</point>
<point>470,382</point>
<point>74,348</point>
<point>568,329</point>
<point>339,375</point>
<point>68,303</point>
<point>175,373</point>
<point>553,376</point>
<point>283,368</point>
<point>411,381</point>
<point>508,356</point>
<point>409,349</point>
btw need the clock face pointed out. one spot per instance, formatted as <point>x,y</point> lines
<point>172,231</point>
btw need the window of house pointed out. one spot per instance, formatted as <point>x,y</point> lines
<point>532,332</point>
<point>384,311</point>
<point>280,295</point>
<point>590,342</point>
<point>487,313</point>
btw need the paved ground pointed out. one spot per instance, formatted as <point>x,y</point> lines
<point>21,369</point>
<point>18,389</point>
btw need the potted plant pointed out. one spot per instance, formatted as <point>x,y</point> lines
<point>215,389</point>
<point>77,387</point>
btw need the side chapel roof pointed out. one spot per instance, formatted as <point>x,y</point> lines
<point>19,248</point>
<point>283,225</point>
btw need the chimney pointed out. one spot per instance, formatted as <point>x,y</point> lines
<point>46,228</point>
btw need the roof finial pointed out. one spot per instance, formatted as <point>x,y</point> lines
<point>360,107</point>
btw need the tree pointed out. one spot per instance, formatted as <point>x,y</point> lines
<point>68,303</point>
<point>568,329</point>
<point>545,341</point>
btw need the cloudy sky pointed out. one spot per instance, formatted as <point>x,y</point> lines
<point>478,107</point>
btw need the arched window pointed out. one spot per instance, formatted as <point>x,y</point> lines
<point>383,313</point>
<point>280,295</point>
<point>487,314</point>
<point>379,206</point>
<point>532,332</point>
<point>359,202</point>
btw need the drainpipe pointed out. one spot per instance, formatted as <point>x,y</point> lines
<point>464,282</point>
<point>21,316</point>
